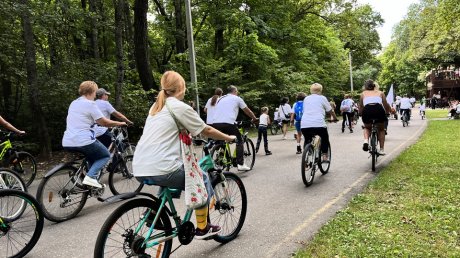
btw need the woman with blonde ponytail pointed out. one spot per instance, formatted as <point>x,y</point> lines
<point>157,158</point>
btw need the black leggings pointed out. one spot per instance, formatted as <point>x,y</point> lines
<point>232,129</point>
<point>309,133</point>
<point>350,119</point>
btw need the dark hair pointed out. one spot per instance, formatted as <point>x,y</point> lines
<point>301,96</point>
<point>284,100</point>
<point>369,85</point>
<point>217,93</point>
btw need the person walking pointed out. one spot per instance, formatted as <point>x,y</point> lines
<point>296,117</point>
<point>211,105</point>
<point>346,107</point>
<point>225,114</point>
<point>285,111</point>
<point>264,121</point>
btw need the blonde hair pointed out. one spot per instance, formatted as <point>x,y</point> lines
<point>264,109</point>
<point>316,88</point>
<point>87,88</point>
<point>171,83</point>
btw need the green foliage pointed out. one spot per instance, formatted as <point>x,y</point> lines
<point>269,49</point>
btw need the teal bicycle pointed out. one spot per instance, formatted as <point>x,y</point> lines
<point>142,227</point>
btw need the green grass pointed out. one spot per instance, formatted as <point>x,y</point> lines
<point>411,209</point>
<point>436,113</point>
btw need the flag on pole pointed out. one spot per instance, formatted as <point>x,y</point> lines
<point>390,96</point>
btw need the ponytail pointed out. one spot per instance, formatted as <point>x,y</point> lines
<point>218,92</point>
<point>171,82</point>
<point>159,104</point>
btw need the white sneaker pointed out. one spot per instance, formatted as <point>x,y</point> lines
<point>284,138</point>
<point>381,152</point>
<point>243,167</point>
<point>91,182</point>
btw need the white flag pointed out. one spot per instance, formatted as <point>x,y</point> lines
<point>390,96</point>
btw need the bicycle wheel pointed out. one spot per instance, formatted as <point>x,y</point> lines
<point>249,153</point>
<point>308,165</point>
<point>374,150</point>
<point>324,166</point>
<point>229,211</point>
<point>60,195</point>
<point>118,236</point>
<point>9,179</point>
<point>24,164</point>
<point>219,156</point>
<point>19,235</point>
<point>122,180</point>
<point>274,129</point>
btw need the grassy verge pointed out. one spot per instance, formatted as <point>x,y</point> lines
<point>436,113</point>
<point>410,210</point>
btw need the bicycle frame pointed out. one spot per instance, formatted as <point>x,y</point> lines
<point>5,146</point>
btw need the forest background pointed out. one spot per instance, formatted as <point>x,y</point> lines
<point>268,48</point>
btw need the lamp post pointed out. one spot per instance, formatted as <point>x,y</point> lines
<point>191,51</point>
<point>351,72</point>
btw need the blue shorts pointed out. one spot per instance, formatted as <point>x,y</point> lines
<point>297,126</point>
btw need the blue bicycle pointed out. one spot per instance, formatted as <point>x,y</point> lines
<point>142,227</point>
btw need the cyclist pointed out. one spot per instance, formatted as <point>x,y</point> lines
<point>373,105</point>
<point>10,127</point>
<point>79,134</point>
<point>264,121</point>
<point>158,156</point>
<point>412,101</point>
<point>284,113</point>
<point>211,105</point>
<point>225,114</point>
<point>102,102</point>
<point>297,115</point>
<point>346,107</point>
<point>405,106</point>
<point>315,109</point>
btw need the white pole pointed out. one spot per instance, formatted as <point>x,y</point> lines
<point>351,72</point>
<point>191,50</point>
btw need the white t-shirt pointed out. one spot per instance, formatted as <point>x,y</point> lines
<point>263,119</point>
<point>422,107</point>
<point>405,103</point>
<point>81,117</point>
<point>347,104</point>
<point>284,110</point>
<point>314,111</point>
<point>227,109</point>
<point>158,151</point>
<point>106,109</point>
<point>412,100</point>
<point>276,116</point>
<point>210,110</point>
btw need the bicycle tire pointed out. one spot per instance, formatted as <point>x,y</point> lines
<point>49,198</point>
<point>124,171</point>
<point>219,155</point>
<point>274,129</point>
<point>10,180</point>
<point>307,165</point>
<point>222,214</point>
<point>111,234</point>
<point>249,154</point>
<point>21,228</point>
<point>324,166</point>
<point>373,150</point>
<point>25,165</point>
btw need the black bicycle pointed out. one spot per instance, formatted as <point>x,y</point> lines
<point>21,223</point>
<point>405,118</point>
<point>374,141</point>
<point>311,160</point>
<point>275,127</point>
<point>62,194</point>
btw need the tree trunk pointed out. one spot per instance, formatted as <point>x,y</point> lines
<point>218,43</point>
<point>129,34</point>
<point>94,32</point>
<point>141,45</point>
<point>31,66</point>
<point>180,34</point>
<point>119,5</point>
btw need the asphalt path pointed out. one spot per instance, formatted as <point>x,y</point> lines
<point>282,213</point>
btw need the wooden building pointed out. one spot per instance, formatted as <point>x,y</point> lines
<point>443,83</point>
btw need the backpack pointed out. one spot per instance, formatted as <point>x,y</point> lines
<point>298,110</point>
<point>344,106</point>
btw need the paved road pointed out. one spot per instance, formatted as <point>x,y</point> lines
<point>282,212</point>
